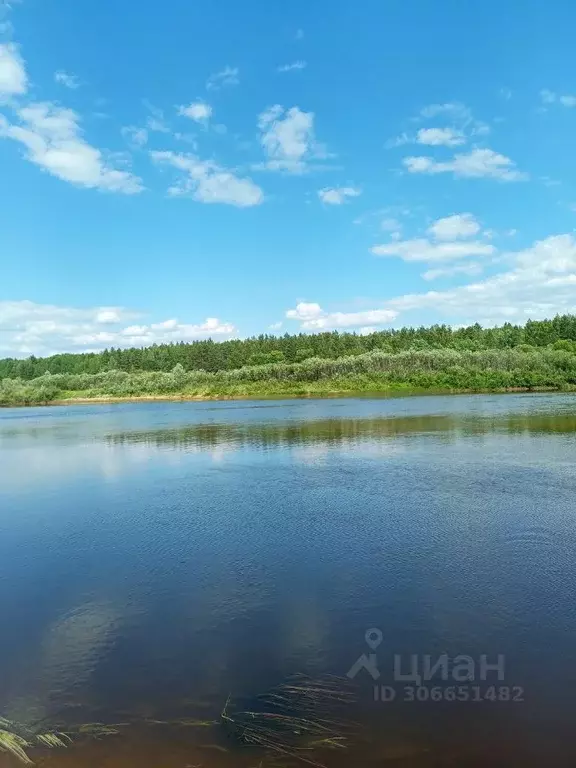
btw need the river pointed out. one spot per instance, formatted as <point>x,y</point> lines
<point>383,581</point>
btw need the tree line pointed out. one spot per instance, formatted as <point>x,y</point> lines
<point>522,367</point>
<point>211,356</point>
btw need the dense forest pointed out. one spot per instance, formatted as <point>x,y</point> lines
<point>213,356</point>
<point>524,367</point>
<point>461,363</point>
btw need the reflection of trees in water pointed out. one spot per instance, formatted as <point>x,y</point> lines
<point>334,431</point>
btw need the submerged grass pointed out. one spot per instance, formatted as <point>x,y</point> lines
<point>294,721</point>
<point>17,740</point>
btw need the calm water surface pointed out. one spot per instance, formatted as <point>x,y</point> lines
<point>157,560</point>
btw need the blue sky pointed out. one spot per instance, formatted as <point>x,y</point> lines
<point>196,169</point>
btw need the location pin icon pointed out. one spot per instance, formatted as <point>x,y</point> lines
<point>373,638</point>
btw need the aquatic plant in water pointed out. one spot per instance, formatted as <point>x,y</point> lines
<point>16,740</point>
<point>293,720</point>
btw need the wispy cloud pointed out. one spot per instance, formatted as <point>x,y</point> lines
<point>295,66</point>
<point>288,139</point>
<point>337,195</point>
<point>471,269</point>
<point>198,111</point>
<point>136,136</point>
<point>156,121</point>
<point>539,282</point>
<point>226,76</point>
<point>479,163</point>
<point>464,127</point>
<point>455,227</point>
<point>448,240</point>
<point>440,137</point>
<point>13,77</point>
<point>458,113</point>
<point>66,79</point>
<point>312,317</point>
<point>53,140</point>
<point>432,137</point>
<point>423,250</point>
<point>208,182</point>
<point>550,97</point>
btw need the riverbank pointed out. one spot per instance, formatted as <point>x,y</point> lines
<point>287,395</point>
<point>384,393</point>
<point>378,372</point>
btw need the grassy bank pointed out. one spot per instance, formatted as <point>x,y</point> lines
<point>377,371</point>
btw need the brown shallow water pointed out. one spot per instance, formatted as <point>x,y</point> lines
<point>159,559</point>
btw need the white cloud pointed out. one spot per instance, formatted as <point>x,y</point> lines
<point>158,333</point>
<point>337,195</point>
<point>66,79</point>
<point>445,244</point>
<point>14,312</point>
<point>157,125</point>
<point>458,113</point>
<point>440,137</point>
<point>541,283</point>
<point>287,137</point>
<point>432,137</point>
<point>423,250</point>
<point>207,182</point>
<point>550,97</point>
<point>547,97</point>
<point>458,269</point>
<point>156,122</point>
<point>453,227</point>
<point>41,329</point>
<point>227,76</point>
<point>275,326</point>
<point>476,164</point>
<point>107,315</point>
<point>304,311</point>
<point>13,78</point>
<point>295,66</point>
<point>135,135</point>
<point>399,141</point>
<point>198,111</point>
<point>30,328</point>
<point>312,317</point>
<point>53,139</point>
